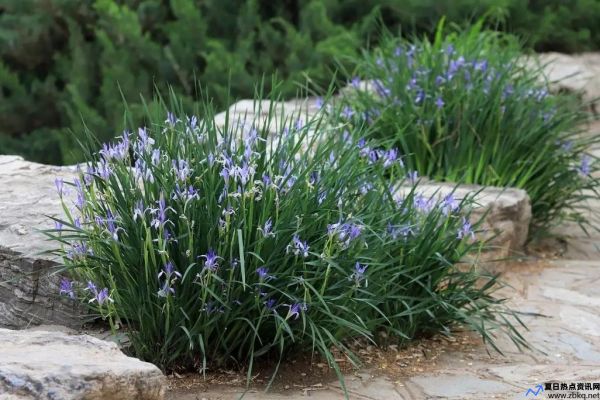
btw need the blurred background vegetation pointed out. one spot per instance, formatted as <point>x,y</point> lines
<point>67,61</point>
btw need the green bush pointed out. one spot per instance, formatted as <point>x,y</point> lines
<point>462,108</point>
<point>64,63</point>
<point>225,245</point>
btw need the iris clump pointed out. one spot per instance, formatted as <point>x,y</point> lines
<point>464,108</point>
<point>214,245</point>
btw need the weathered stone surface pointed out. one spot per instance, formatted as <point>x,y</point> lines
<point>459,386</point>
<point>28,289</point>
<point>55,365</point>
<point>258,111</point>
<point>578,73</point>
<point>507,211</point>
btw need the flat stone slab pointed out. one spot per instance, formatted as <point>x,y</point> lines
<point>577,73</point>
<point>55,365</point>
<point>449,386</point>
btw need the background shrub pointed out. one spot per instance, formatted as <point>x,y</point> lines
<point>64,61</point>
<point>223,245</point>
<point>462,108</point>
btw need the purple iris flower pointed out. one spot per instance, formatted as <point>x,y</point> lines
<point>171,276</point>
<point>586,166</point>
<point>381,89</point>
<point>155,157</point>
<point>346,233</point>
<point>423,204</point>
<point>314,176</point>
<point>347,112</point>
<point>319,102</point>
<point>267,228</point>
<point>449,204</point>
<point>398,231</point>
<point>66,288</point>
<point>374,156</point>
<point>296,309</point>
<point>181,169</point>
<point>80,201</point>
<point>192,122</point>
<point>117,151</point>
<point>79,250</point>
<point>454,66</point>
<point>58,226</point>
<point>390,157</point>
<point>263,274</point>
<point>481,66</point>
<point>566,146</point>
<point>270,304</point>
<point>298,247</point>
<point>439,80</point>
<point>168,271</point>
<point>88,176</point>
<point>212,307</point>
<point>139,210</point>
<point>185,194</point>
<point>248,152</point>
<point>419,97</point>
<point>321,197</point>
<point>60,189</point>
<point>439,103</point>
<point>104,170</point>
<point>103,296</point>
<point>465,230</point>
<point>160,213</point>
<point>171,119</point>
<point>413,177</point>
<point>243,173</point>
<point>366,188</point>
<point>144,141</point>
<point>112,228</point>
<point>266,180</point>
<point>100,296</point>
<point>165,289</point>
<point>412,84</point>
<point>508,91</point>
<point>355,82</point>
<point>211,260</point>
<point>359,273</point>
<point>467,75</point>
<point>92,288</point>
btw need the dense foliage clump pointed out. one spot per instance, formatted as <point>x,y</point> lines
<point>464,108</point>
<point>65,63</point>
<point>212,244</point>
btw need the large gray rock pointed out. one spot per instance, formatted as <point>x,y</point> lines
<point>273,116</point>
<point>579,73</point>
<point>55,365</point>
<point>506,212</point>
<point>29,290</point>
